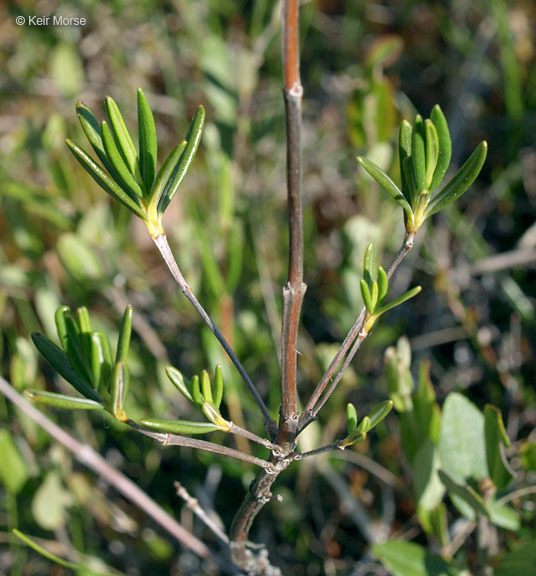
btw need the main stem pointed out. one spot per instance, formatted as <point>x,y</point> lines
<point>294,289</point>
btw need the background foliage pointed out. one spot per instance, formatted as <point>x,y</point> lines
<point>365,65</point>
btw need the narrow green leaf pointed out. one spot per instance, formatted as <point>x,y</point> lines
<point>101,361</point>
<point>148,141</point>
<point>206,388</point>
<point>385,182</point>
<point>466,175</point>
<point>82,317</point>
<point>364,425</point>
<point>366,296</point>
<point>104,181</point>
<point>383,285</point>
<point>45,553</point>
<point>368,265</point>
<point>465,492</point>
<point>122,136</point>
<point>91,128</point>
<point>196,390</point>
<point>123,341</point>
<point>351,418</point>
<point>178,426</point>
<point>193,139</point>
<point>177,380</point>
<point>400,300</point>
<point>165,172</point>
<point>431,141</point>
<point>495,435</point>
<point>71,341</point>
<point>215,417</point>
<point>418,158</point>
<point>59,361</point>
<point>409,174</point>
<point>374,295</point>
<point>62,400</point>
<point>218,386</point>
<point>445,146</point>
<point>379,413</point>
<point>127,181</point>
<point>404,151</point>
<point>61,327</point>
<point>120,384</point>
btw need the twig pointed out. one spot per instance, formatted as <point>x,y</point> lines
<point>352,339</point>
<point>175,440</point>
<point>294,290</point>
<point>195,507</point>
<point>163,246</point>
<point>527,491</point>
<point>317,451</point>
<point>95,462</point>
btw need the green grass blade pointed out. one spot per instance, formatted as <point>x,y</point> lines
<point>192,144</point>
<point>62,400</point>
<point>127,181</point>
<point>104,181</point>
<point>445,146</point>
<point>125,331</point>
<point>57,358</point>
<point>177,380</point>
<point>122,136</point>
<point>418,158</point>
<point>466,175</point>
<point>148,141</point>
<point>384,181</point>
<point>179,427</point>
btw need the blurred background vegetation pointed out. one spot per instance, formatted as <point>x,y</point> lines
<point>365,66</point>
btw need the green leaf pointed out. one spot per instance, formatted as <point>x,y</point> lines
<point>218,386</point>
<point>148,141</point>
<point>385,182</point>
<point>404,151</point>
<point>431,141</point>
<point>466,175</point>
<point>50,502</point>
<point>418,158</point>
<point>13,471</point>
<point>101,361</point>
<point>192,144</point>
<point>379,413</point>
<point>464,492</point>
<point>206,388</point>
<point>104,181</point>
<point>429,490</point>
<point>425,407</point>
<point>91,128</point>
<point>178,426</point>
<point>125,331</point>
<point>70,339</point>
<point>236,257</point>
<point>383,284</point>
<point>84,324</point>
<point>351,418</point>
<point>166,171</point>
<point>215,417</point>
<point>59,361</point>
<point>495,437</point>
<point>122,136</point>
<point>461,439</point>
<point>126,180</point>
<point>400,300</point>
<point>521,562</point>
<point>364,425</point>
<point>366,296</point>
<point>410,559</point>
<point>119,390</point>
<point>196,390</point>
<point>62,400</point>
<point>504,517</point>
<point>445,146</point>
<point>177,380</point>
<point>368,265</point>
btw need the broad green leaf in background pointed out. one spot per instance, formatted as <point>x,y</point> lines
<point>13,469</point>
<point>464,493</point>
<point>429,489</point>
<point>521,562</point>
<point>410,559</point>
<point>50,502</point>
<point>462,448</point>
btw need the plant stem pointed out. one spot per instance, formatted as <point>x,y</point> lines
<point>294,289</point>
<point>352,342</point>
<point>95,462</point>
<point>163,246</point>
